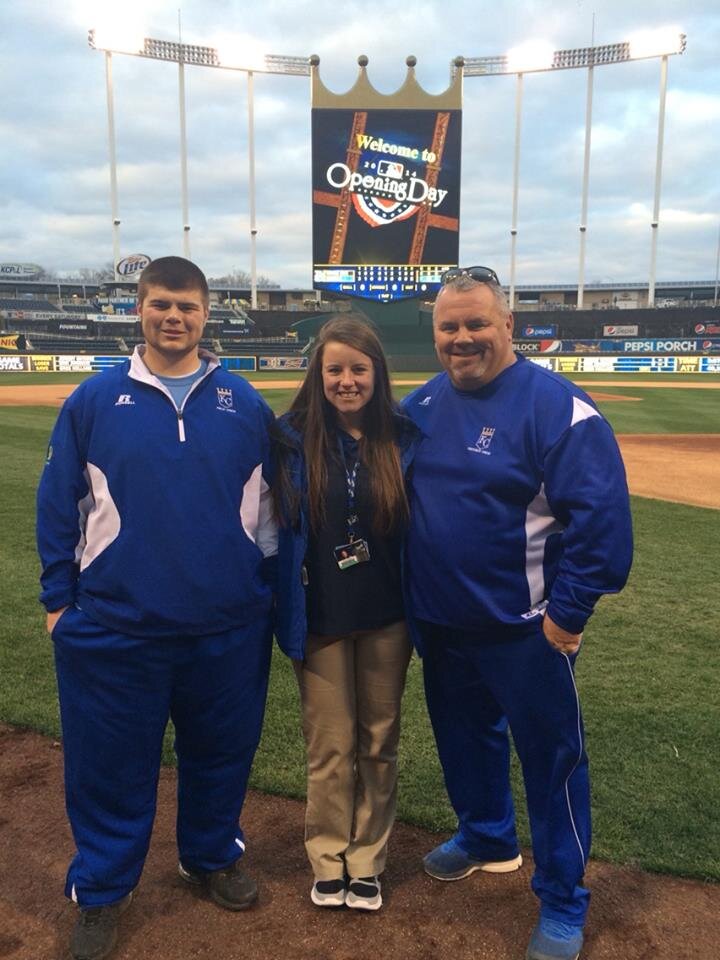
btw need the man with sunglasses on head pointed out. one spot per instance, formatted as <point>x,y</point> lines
<point>520,521</point>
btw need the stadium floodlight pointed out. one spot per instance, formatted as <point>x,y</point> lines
<point>531,56</point>
<point>241,53</point>
<point>242,56</point>
<point>535,57</point>
<point>117,37</point>
<point>662,42</point>
<point>667,41</point>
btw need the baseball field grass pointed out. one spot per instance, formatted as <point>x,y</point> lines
<point>647,674</point>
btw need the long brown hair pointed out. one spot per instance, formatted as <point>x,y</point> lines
<point>315,420</point>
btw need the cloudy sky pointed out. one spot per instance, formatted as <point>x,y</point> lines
<point>54,169</point>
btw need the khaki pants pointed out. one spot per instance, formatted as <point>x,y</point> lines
<point>351,688</point>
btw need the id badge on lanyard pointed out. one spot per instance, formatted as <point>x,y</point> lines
<point>356,550</point>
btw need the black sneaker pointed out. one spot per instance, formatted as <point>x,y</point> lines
<point>364,894</point>
<point>230,887</point>
<point>95,932</point>
<point>328,893</point>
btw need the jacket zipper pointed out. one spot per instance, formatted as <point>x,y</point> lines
<point>163,389</point>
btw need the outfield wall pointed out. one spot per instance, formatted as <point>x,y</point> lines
<point>638,363</point>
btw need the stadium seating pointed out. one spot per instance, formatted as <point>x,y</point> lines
<point>41,306</point>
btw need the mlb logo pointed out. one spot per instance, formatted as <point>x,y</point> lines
<point>390,168</point>
<point>225,397</point>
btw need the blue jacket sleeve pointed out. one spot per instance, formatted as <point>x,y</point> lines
<point>587,491</point>
<point>60,516</point>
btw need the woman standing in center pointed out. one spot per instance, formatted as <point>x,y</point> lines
<point>342,452</point>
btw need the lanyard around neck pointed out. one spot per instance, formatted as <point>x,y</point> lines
<point>351,482</point>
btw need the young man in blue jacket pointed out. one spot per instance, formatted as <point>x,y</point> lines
<point>520,521</point>
<point>154,522</point>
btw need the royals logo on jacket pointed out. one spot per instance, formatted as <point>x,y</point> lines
<point>225,398</point>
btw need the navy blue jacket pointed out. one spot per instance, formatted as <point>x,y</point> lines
<point>291,621</point>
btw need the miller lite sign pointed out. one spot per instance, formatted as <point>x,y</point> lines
<point>133,265</point>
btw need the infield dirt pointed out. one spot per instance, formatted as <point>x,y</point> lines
<point>634,915</point>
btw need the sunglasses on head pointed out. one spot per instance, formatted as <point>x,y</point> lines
<point>481,274</point>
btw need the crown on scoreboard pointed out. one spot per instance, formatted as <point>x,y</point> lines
<point>409,96</point>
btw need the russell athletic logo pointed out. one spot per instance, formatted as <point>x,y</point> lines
<point>125,400</point>
<point>482,444</point>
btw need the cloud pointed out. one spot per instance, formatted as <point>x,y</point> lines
<point>54,171</point>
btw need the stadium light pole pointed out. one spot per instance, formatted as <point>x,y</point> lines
<point>649,44</point>
<point>205,56</point>
<point>655,223</point>
<point>183,163</point>
<point>113,163</point>
<point>535,55</point>
<point>717,270</point>
<point>585,187</point>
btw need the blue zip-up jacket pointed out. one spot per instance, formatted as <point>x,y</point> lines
<point>519,503</point>
<point>290,612</point>
<point>156,521</point>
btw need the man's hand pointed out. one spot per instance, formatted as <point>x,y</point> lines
<point>52,618</point>
<point>560,639</point>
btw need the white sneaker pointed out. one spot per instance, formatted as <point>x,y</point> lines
<point>328,893</point>
<point>364,893</point>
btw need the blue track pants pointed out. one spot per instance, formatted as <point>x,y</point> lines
<point>475,685</point>
<point>116,695</point>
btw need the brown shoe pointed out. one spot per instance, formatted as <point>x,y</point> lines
<point>230,887</point>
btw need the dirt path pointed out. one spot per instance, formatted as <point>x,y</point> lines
<point>634,915</point>
<point>682,468</point>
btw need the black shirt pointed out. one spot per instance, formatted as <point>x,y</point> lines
<point>365,596</point>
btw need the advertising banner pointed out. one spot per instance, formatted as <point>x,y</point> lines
<point>238,363</point>
<point>669,346</point>
<point>67,362</point>
<point>31,314</point>
<point>19,271</point>
<point>10,364</point>
<point>625,330</point>
<point>692,345</point>
<point>42,364</point>
<point>102,363</point>
<point>606,364</point>
<point>706,328</point>
<point>9,343</point>
<point>386,200</point>
<point>71,327</point>
<point>687,364</point>
<point>283,363</point>
<point>133,265</point>
<point>569,364</point>
<point>534,330</point>
<point>645,364</point>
